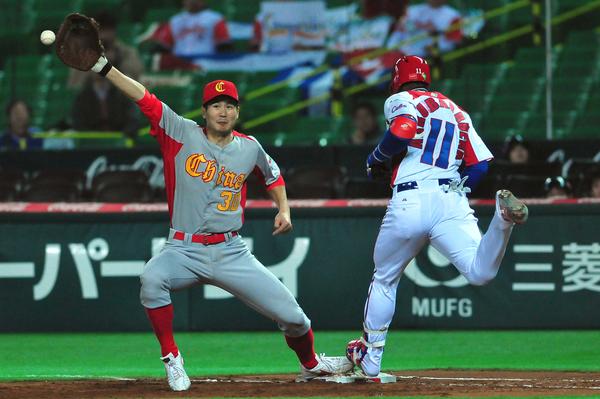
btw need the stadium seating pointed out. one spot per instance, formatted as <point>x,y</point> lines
<point>11,184</point>
<point>527,186</point>
<point>365,188</point>
<point>162,14</point>
<point>50,176</point>
<point>122,186</point>
<point>316,182</point>
<point>180,99</point>
<point>488,186</point>
<point>50,14</point>
<point>51,192</point>
<point>503,98</point>
<point>255,189</point>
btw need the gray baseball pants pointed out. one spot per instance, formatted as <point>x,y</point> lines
<point>229,265</point>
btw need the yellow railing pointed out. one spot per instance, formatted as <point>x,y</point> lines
<point>355,60</point>
<point>453,55</point>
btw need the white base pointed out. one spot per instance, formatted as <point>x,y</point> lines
<point>381,378</point>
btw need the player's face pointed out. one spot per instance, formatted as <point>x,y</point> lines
<point>519,154</point>
<point>364,120</point>
<point>221,116</point>
<point>19,117</point>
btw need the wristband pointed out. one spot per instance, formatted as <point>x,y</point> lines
<point>102,66</point>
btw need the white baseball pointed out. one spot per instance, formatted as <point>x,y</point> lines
<point>47,37</point>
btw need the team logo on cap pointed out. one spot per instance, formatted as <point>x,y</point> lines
<point>220,87</point>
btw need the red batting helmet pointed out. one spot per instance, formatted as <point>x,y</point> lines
<point>409,68</point>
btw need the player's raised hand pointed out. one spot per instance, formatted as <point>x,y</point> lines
<point>283,223</point>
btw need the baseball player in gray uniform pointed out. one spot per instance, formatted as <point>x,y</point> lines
<point>205,171</point>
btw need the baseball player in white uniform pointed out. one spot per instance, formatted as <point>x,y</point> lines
<point>205,171</point>
<point>437,157</point>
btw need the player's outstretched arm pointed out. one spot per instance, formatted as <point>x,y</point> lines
<point>130,87</point>
<point>283,221</point>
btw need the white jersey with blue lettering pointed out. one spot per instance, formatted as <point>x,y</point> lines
<point>426,208</point>
<point>445,137</point>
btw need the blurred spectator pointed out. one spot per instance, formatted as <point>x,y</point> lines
<point>100,106</point>
<point>425,23</point>
<point>292,26</point>
<point>366,128</point>
<point>18,133</point>
<point>195,31</point>
<point>557,188</point>
<point>124,57</point>
<point>595,186</point>
<point>517,150</point>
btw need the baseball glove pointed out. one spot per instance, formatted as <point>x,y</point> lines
<point>77,42</point>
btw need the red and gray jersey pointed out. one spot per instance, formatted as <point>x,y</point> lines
<point>445,137</point>
<point>205,183</point>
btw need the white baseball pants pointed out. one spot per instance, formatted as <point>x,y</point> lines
<point>413,218</point>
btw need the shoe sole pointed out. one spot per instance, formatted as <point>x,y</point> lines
<point>512,209</point>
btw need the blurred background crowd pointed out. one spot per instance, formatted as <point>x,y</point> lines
<point>313,76</point>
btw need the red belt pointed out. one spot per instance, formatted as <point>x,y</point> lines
<point>206,239</point>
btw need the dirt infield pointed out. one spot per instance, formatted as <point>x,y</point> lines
<point>447,383</point>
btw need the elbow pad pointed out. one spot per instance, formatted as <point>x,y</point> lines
<point>396,138</point>
<point>404,127</point>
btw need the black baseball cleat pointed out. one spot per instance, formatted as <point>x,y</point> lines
<point>512,209</point>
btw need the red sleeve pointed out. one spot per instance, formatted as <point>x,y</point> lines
<point>257,33</point>
<point>221,32</point>
<point>455,34</point>
<point>278,182</point>
<point>153,109</point>
<point>163,35</point>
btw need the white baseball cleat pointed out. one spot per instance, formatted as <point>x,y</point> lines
<point>327,365</point>
<point>356,352</point>
<point>368,360</point>
<point>176,375</point>
<point>511,208</point>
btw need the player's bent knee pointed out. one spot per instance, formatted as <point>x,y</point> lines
<point>295,327</point>
<point>153,289</point>
<point>481,279</point>
<point>151,280</point>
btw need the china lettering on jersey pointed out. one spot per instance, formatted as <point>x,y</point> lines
<point>445,137</point>
<point>196,165</point>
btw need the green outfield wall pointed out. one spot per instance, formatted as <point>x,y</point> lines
<point>79,272</point>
